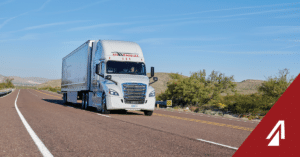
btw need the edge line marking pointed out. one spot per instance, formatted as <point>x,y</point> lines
<point>43,149</point>
<point>223,145</point>
<point>103,115</point>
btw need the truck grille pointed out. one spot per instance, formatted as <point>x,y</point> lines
<point>134,93</point>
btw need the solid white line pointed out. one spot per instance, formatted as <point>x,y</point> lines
<point>218,144</point>
<point>103,115</point>
<point>43,149</point>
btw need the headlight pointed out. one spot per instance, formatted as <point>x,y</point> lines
<point>113,92</point>
<point>152,94</point>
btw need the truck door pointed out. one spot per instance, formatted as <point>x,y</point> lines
<point>102,80</point>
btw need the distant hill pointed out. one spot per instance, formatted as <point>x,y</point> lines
<point>37,79</point>
<point>29,81</point>
<point>161,84</point>
<point>248,86</point>
<point>52,83</point>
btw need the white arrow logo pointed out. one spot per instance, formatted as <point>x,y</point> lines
<point>275,140</point>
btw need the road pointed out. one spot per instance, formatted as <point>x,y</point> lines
<point>66,130</point>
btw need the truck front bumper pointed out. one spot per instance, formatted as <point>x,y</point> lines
<point>115,103</point>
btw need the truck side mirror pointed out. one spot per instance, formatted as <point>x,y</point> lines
<point>108,77</point>
<point>155,79</point>
<point>98,69</point>
<point>152,71</point>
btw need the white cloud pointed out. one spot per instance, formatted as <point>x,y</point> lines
<point>8,20</point>
<point>248,52</point>
<point>52,24</point>
<point>272,30</point>
<point>43,6</point>
<point>219,10</point>
<point>23,38</point>
<point>97,26</point>
<point>159,41</point>
<point>6,2</point>
<point>81,8</point>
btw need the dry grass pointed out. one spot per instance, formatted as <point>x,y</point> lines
<point>52,83</point>
<point>248,86</point>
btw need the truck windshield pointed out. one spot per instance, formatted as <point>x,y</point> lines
<point>114,67</point>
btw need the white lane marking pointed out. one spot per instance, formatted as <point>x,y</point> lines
<point>43,149</point>
<point>103,115</point>
<point>223,145</point>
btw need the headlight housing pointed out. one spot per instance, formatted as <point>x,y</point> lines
<point>152,94</point>
<point>113,92</point>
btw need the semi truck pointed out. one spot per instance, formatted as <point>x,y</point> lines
<point>108,75</point>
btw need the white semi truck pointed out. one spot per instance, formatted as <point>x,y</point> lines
<point>108,75</point>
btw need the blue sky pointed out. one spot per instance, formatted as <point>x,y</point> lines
<point>250,40</point>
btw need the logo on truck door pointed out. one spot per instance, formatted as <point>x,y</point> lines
<point>125,54</point>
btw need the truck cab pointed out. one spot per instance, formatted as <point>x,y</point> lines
<point>119,78</point>
<point>108,75</point>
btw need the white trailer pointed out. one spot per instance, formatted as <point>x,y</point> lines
<point>108,75</point>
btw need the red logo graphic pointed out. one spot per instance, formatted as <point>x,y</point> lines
<point>278,134</point>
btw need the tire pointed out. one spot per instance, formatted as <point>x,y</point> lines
<point>86,101</point>
<point>83,101</point>
<point>104,108</point>
<point>65,98</point>
<point>148,113</point>
<point>123,111</point>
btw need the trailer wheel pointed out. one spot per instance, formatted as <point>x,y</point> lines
<point>65,98</point>
<point>104,108</point>
<point>148,113</point>
<point>83,101</point>
<point>86,101</point>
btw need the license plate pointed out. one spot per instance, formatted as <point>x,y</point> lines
<point>133,106</point>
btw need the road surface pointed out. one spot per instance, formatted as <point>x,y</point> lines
<point>37,123</point>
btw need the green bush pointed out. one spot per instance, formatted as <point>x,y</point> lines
<point>197,89</point>
<point>254,104</point>
<point>7,83</point>
<point>275,86</point>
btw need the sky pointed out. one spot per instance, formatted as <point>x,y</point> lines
<point>246,39</point>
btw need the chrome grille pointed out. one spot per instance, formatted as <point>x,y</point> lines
<point>134,93</point>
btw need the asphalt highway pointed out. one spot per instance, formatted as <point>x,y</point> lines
<point>37,123</point>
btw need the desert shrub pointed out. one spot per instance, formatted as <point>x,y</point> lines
<point>275,86</point>
<point>7,83</point>
<point>254,104</point>
<point>52,89</point>
<point>198,89</point>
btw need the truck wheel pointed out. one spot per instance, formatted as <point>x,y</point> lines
<point>86,101</point>
<point>104,108</point>
<point>65,98</point>
<point>83,100</point>
<point>148,113</point>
